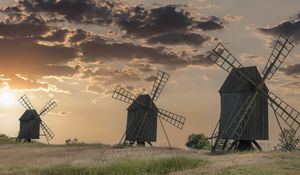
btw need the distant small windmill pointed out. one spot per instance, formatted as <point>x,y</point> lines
<point>31,122</point>
<point>143,113</point>
<point>245,99</point>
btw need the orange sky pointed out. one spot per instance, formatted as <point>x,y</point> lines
<point>78,56</point>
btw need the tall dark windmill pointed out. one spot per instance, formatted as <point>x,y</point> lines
<point>31,122</point>
<point>143,113</point>
<point>245,99</point>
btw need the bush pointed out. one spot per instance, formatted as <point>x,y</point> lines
<point>198,141</point>
<point>72,141</point>
<point>288,140</point>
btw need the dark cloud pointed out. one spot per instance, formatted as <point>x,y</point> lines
<point>179,39</point>
<point>31,26</point>
<point>289,28</point>
<point>101,51</point>
<point>292,69</point>
<point>210,23</point>
<point>30,23</point>
<point>22,54</point>
<point>151,78</point>
<point>88,11</point>
<point>58,35</point>
<point>140,22</point>
<point>78,36</point>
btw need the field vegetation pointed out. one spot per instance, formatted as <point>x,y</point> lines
<point>97,159</point>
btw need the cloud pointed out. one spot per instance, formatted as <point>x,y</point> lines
<point>292,69</point>
<point>151,78</point>
<point>210,23</point>
<point>16,82</point>
<point>61,113</point>
<point>289,28</point>
<point>23,54</point>
<point>50,49</point>
<point>58,35</point>
<point>88,11</point>
<point>31,26</point>
<point>179,39</point>
<point>140,22</point>
<point>231,18</point>
<point>78,36</point>
<point>95,88</point>
<point>142,65</point>
<point>95,50</point>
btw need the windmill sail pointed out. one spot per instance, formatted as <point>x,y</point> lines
<point>159,84</point>
<point>174,119</point>
<point>224,59</point>
<point>25,102</point>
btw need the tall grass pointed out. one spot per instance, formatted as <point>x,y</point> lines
<point>129,166</point>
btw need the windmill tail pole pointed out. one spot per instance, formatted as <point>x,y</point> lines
<point>165,132</point>
<point>125,132</point>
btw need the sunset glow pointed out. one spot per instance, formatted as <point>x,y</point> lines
<point>7,99</point>
<point>77,52</point>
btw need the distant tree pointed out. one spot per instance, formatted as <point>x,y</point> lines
<point>288,140</point>
<point>198,141</point>
<point>68,141</point>
<point>72,141</point>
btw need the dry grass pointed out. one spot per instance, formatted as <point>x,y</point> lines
<point>97,158</point>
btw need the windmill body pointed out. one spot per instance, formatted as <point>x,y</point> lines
<point>245,99</point>
<point>137,113</point>
<point>31,121</point>
<point>233,94</point>
<point>143,114</point>
<point>29,125</point>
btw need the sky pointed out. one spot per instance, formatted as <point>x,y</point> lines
<point>78,51</point>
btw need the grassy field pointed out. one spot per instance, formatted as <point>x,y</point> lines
<point>94,159</point>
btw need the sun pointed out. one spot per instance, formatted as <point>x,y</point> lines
<point>7,98</point>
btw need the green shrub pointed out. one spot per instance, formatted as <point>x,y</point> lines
<point>198,141</point>
<point>288,140</point>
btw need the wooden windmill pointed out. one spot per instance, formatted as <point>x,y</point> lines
<point>143,114</point>
<point>31,121</point>
<point>245,99</point>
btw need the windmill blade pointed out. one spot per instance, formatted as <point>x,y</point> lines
<point>125,96</point>
<point>159,84</point>
<point>47,131</point>
<point>174,119</point>
<point>25,102</point>
<point>287,113</point>
<point>281,128</point>
<point>280,51</point>
<point>224,59</point>
<point>48,107</point>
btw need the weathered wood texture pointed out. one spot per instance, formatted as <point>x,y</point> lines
<point>137,112</point>
<point>29,125</point>
<point>233,94</point>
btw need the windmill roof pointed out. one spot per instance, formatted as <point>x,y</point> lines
<point>29,115</point>
<point>233,84</point>
<point>145,99</point>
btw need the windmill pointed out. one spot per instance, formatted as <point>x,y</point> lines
<point>143,113</point>
<point>245,100</point>
<point>31,121</point>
